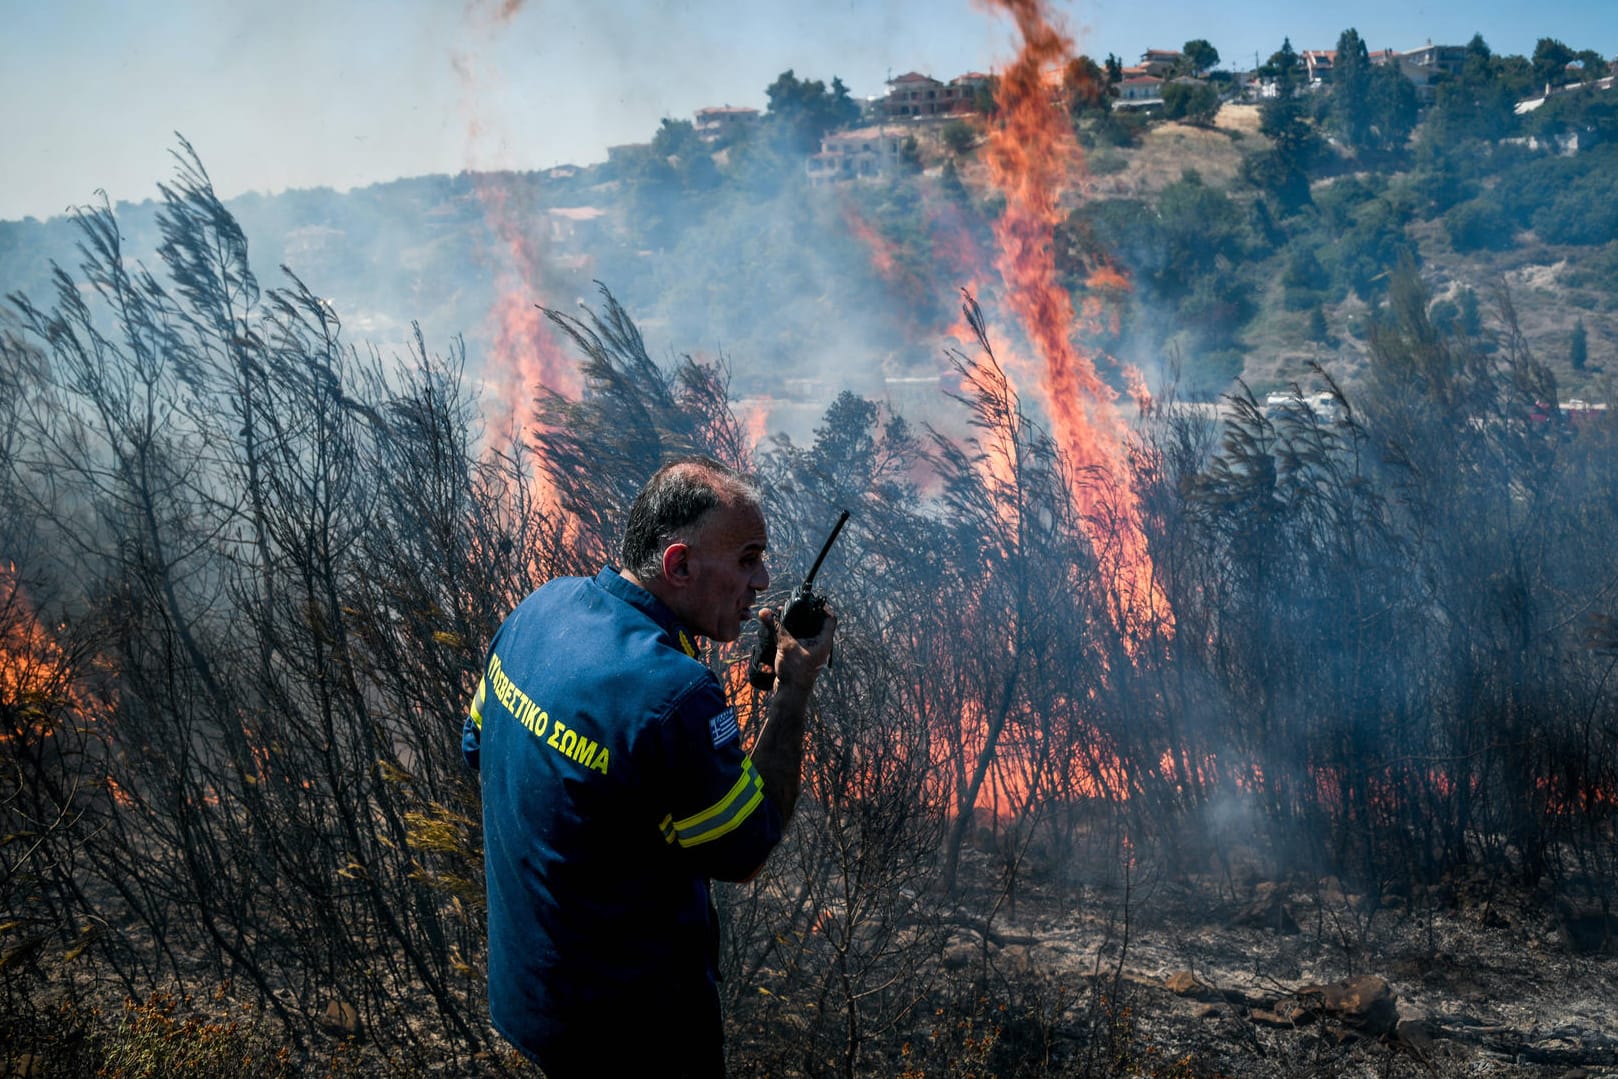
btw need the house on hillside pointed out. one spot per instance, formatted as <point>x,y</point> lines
<point>1139,92</point>
<point>570,226</point>
<point>913,94</point>
<point>724,122</point>
<point>1158,62</point>
<point>863,153</point>
<point>1430,63</point>
<point>968,86</point>
<point>1317,65</point>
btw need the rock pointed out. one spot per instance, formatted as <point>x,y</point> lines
<point>1586,928</point>
<point>1183,983</point>
<point>1016,960</point>
<point>962,954</point>
<point>340,1018</point>
<point>1268,912</point>
<point>1415,1033</point>
<point>1286,1013</point>
<point>1210,1011</point>
<point>1332,893</point>
<point>1364,1003</point>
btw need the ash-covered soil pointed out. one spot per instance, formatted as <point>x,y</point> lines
<point>1306,977</point>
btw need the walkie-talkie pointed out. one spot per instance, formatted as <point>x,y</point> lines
<point>803,616</point>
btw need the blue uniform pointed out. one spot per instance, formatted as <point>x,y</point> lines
<point>614,788</point>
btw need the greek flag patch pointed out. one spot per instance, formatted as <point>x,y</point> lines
<point>722,728</point>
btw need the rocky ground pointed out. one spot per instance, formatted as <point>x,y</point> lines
<point>1307,978</point>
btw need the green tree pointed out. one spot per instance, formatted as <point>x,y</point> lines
<point>1283,171</point>
<point>1592,64</point>
<point>1350,109</point>
<point>1578,346</point>
<point>1199,57</point>
<point>958,137</point>
<point>1479,224</point>
<point>1115,69</point>
<point>1194,101</point>
<point>1393,107</point>
<point>1550,61</point>
<point>802,110</point>
<point>1319,332</point>
<point>1198,225</point>
<point>1085,85</point>
<point>1479,103</point>
<point>677,138</point>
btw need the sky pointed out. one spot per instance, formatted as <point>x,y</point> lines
<point>344,93</point>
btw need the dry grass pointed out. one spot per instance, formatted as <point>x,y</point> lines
<point>1168,149</point>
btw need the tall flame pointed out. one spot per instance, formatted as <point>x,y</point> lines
<point>524,353</point>
<point>1033,157</point>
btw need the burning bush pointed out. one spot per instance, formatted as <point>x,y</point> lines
<point>1341,639</point>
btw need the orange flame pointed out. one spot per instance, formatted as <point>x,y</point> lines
<point>755,417</point>
<point>1098,773</point>
<point>882,259</point>
<point>33,667</point>
<point>524,353</point>
<point>1032,157</point>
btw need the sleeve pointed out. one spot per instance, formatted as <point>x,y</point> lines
<point>472,728</point>
<point>717,814</point>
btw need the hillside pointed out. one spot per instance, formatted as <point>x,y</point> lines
<point>809,289</point>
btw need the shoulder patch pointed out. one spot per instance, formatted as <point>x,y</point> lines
<point>722,728</point>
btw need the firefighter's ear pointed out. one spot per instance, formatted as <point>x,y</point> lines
<point>677,563</point>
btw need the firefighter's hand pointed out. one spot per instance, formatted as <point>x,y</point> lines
<point>799,662</point>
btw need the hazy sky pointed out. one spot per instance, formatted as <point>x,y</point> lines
<point>305,93</point>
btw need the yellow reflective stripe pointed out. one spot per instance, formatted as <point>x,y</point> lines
<point>724,815</point>
<point>668,828</point>
<point>735,822</point>
<point>477,703</point>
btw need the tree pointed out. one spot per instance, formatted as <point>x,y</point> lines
<point>802,110</point>
<point>1470,322</point>
<point>1392,104</point>
<point>958,137</point>
<point>1550,61</point>
<point>1115,69</point>
<point>1191,100</point>
<point>1350,94</point>
<point>1085,85</point>
<point>1318,330</point>
<point>1283,170</point>
<point>1578,346</point>
<point>1479,224</point>
<point>1592,65</point>
<point>1479,103</point>
<point>677,138</point>
<point>1199,56</point>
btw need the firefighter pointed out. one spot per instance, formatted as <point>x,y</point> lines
<point>615,785</point>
